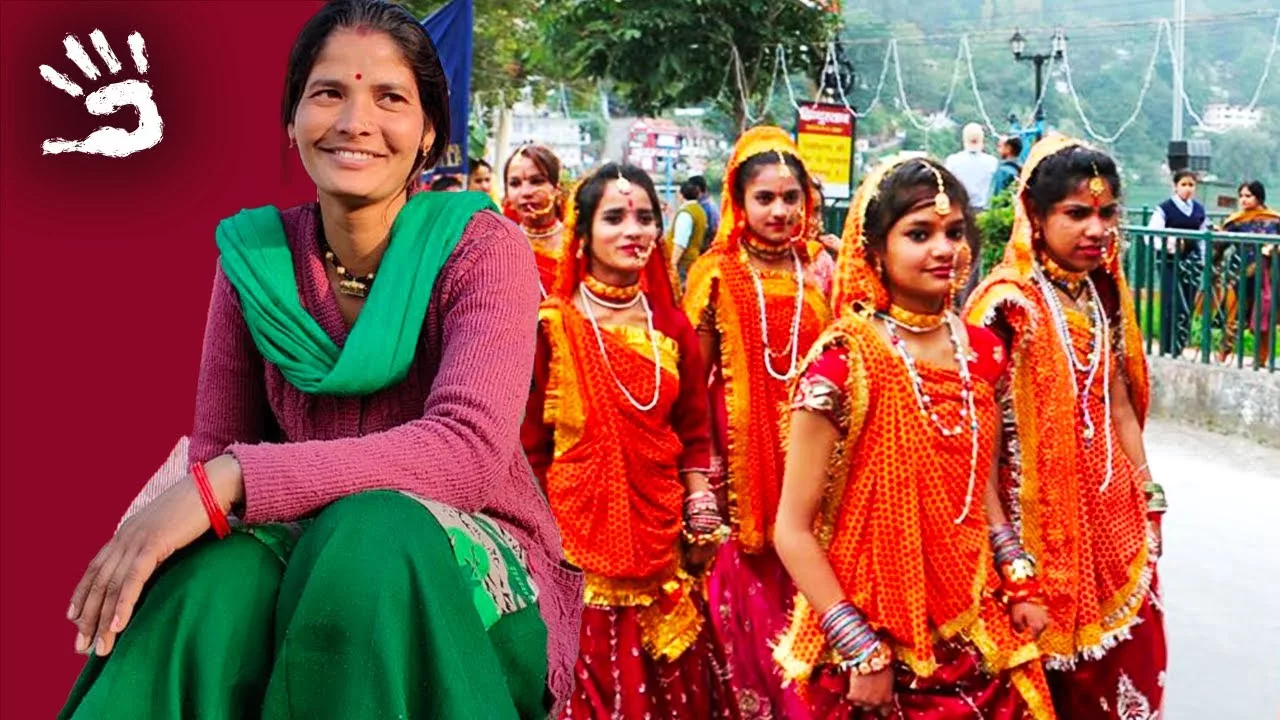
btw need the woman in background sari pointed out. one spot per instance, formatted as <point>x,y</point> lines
<point>617,430</point>
<point>757,312</point>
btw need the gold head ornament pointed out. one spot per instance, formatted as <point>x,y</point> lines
<point>941,201</point>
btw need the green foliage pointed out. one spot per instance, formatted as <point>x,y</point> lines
<point>1243,155</point>
<point>995,225</point>
<point>659,55</point>
<point>502,44</point>
<point>1225,59</point>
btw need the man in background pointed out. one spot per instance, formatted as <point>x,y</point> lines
<point>709,207</point>
<point>445,183</point>
<point>974,167</point>
<point>1007,172</point>
<point>689,231</point>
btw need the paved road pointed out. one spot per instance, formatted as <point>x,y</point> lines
<point>1220,572</point>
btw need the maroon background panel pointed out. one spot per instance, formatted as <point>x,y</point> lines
<point>105,270</point>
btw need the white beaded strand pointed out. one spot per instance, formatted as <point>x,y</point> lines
<point>1100,355</point>
<point>590,298</point>
<point>925,403</point>
<point>795,321</point>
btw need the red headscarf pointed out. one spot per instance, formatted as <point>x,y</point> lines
<point>655,279</point>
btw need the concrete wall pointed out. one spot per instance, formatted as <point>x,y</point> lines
<point>1243,403</point>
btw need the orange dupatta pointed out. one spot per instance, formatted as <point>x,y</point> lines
<point>614,482</point>
<point>888,516</point>
<point>1090,609</point>
<point>720,280</point>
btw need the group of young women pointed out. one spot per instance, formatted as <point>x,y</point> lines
<point>864,503</point>
<point>774,501</point>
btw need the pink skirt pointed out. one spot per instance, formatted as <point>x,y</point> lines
<point>751,597</point>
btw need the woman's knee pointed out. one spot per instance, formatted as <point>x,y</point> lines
<point>370,539</point>
<point>228,577</point>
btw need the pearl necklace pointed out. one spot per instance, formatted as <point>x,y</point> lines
<point>590,298</point>
<point>968,414</point>
<point>552,231</point>
<point>794,345</point>
<point>1099,354</point>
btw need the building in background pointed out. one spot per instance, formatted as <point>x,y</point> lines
<point>1221,117</point>
<point>563,135</point>
<point>659,146</point>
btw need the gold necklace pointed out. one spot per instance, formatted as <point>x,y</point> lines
<point>612,293</point>
<point>917,322</point>
<point>763,250</point>
<point>1071,282</point>
<point>533,234</point>
<point>349,284</point>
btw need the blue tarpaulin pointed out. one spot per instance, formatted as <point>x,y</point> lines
<point>450,29</point>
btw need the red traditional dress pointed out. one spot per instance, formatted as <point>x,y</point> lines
<point>547,263</point>
<point>612,472</point>
<point>764,321</point>
<point>902,520</point>
<point>1084,511</point>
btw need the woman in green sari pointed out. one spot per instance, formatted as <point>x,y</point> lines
<point>389,553</point>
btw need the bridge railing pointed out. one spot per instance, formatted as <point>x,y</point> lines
<point>1141,215</point>
<point>1212,297</point>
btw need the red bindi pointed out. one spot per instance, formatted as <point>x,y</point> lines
<point>358,76</point>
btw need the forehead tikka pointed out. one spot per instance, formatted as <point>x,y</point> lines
<point>624,187</point>
<point>941,201</point>
<point>1097,185</point>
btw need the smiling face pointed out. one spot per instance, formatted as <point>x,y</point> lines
<point>530,190</point>
<point>921,252</point>
<point>359,125</point>
<point>1078,229</point>
<point>624,232</point>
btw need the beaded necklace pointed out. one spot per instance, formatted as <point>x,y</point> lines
<point>589,299</point>
<point>968,413</point>
<point>794,344</point>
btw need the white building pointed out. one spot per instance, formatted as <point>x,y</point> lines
<point>1220,117</point>
<point>564,136</point>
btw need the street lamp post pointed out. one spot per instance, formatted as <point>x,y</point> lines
<point>1057,50</point>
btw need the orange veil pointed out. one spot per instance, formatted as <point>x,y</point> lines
<point>1045,460</point>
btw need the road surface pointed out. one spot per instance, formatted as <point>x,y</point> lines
<point>1220,572</point>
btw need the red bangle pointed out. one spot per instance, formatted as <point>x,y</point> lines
<point>217,518</point>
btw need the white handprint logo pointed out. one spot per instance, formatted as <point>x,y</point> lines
<point>110,141</point>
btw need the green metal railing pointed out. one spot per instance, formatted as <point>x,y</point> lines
<point>1212,292</point>
<point>1141,215</point>
<point>1198,294</point>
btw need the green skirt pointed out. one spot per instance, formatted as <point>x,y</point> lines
<point>382,606</point>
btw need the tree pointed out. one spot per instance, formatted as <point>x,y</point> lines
<point>502,43</point>
<point>657,54</point>
<point>1242,155</point>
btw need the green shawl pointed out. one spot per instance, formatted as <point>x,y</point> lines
<point>256,259</point>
